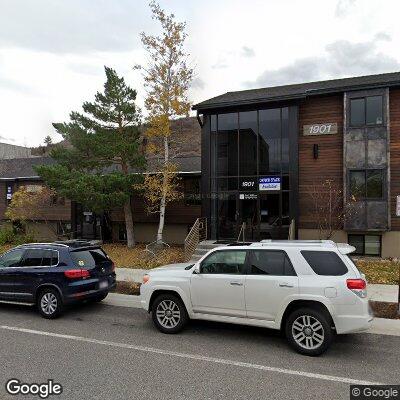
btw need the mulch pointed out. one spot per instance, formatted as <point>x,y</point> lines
<point>384,310</point>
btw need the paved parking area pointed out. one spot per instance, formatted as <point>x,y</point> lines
<point>102,351</point>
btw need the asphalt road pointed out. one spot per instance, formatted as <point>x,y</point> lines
<point>105,352</point>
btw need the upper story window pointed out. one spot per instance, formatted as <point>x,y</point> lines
<point>366,111</point>
<point>366,184</point>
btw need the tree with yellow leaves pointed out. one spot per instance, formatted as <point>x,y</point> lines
<point>167,80</point>
<point>32,206</point>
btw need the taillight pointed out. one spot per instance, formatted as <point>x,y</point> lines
<point>77,273</point>
<point>112,267</point>
<point>146,278</point>
<point>358,286</point>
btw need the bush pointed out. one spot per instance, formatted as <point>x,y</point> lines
<point>8,235</point>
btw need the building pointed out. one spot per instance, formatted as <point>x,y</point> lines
<point>63,217</point>
<point>264,150</point>
<point>260,155</point>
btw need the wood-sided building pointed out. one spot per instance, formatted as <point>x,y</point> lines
<point>62,216</point>
<point>265,151</point>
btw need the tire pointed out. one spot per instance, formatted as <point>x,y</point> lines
<point>169,313</point>
<point>99,298</point>
<point>309,331</point>
<point>49,303</point>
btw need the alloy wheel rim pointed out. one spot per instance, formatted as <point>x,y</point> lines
<point>168,314</point>
<point>308,332</point>
<point>49,303</point>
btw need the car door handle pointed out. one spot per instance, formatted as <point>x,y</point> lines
<point>236,284</point>
<point>285,285</point>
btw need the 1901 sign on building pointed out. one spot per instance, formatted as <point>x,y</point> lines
<point>320,129</point>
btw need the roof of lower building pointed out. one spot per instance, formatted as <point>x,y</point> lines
<point>299,90</point>
<point>23,168</point>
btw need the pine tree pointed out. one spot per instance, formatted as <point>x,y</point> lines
<point>48,140</point>
<point>98,171</point>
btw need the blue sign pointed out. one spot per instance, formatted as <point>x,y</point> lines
<point>269,183</point>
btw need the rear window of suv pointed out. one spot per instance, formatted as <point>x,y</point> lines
<point>325,262</point>
<point>89,258</point>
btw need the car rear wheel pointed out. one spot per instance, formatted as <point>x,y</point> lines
<point>100,297</point>
<point>169,313</point>
<point>309,331</point>
<point>49,303</point>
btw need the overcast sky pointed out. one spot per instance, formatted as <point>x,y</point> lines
<point>53,52</point>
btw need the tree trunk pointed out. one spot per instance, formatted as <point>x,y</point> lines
<point>163,201</point>
<point>130,238</point>
<point>162,220</point>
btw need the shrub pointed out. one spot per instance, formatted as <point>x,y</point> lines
<point>9,235</point>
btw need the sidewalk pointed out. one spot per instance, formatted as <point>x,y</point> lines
<point>387,293</point>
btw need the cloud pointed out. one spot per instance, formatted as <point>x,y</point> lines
<point>73,26</point>
<point>342,58</point>
<point>221,64</point>
<point>6,139</point>
<point>86,68</point>
<point>198,83</point>
<point>343,7</point>
<point>383,36</point>
<point>247,52</point>
<point>14,86</point>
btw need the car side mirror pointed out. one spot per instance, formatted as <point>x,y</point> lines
<point>196,269</point>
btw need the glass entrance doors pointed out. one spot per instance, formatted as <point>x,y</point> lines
<point>248,219</point>
<point>258,216</point>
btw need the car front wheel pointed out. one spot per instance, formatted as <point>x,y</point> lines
<point>169,313</point>
<point>309,331</point>
<point>49,303</point>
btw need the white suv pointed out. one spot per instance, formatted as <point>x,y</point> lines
<point>309,289</point>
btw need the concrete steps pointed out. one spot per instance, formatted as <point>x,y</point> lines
<point>203,248</point>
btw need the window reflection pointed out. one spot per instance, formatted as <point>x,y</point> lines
<point>248,143</point>
<point>270,141</point>
<point>227,145</point>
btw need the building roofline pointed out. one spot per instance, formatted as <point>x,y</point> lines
<point>210,104</point>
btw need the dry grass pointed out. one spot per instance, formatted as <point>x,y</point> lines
<point>380,271</point>
<point>5,247</point>
<point>137,257</point>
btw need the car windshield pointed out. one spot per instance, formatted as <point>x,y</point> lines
<point>89,258</point>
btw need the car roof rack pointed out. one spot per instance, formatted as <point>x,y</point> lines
<point>74,243</point>
<point>343,248</point>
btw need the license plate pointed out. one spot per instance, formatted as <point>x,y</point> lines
<point>103,285</point>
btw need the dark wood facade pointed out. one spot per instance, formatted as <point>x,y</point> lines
<point>394,107</point>
<point>329,164</point>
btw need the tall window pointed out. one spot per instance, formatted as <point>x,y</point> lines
<point>227,145</point>
<point>366,111</point>
<point>270,141</point>
<point>366,184</point>
<point>248,143</point>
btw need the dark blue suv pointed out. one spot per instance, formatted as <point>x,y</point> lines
<point>52,275</point>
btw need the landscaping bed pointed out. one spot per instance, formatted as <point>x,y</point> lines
<point>137,257</point>
<point>130,288</point>
<point>385,272</point>
<point>382,309</point>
